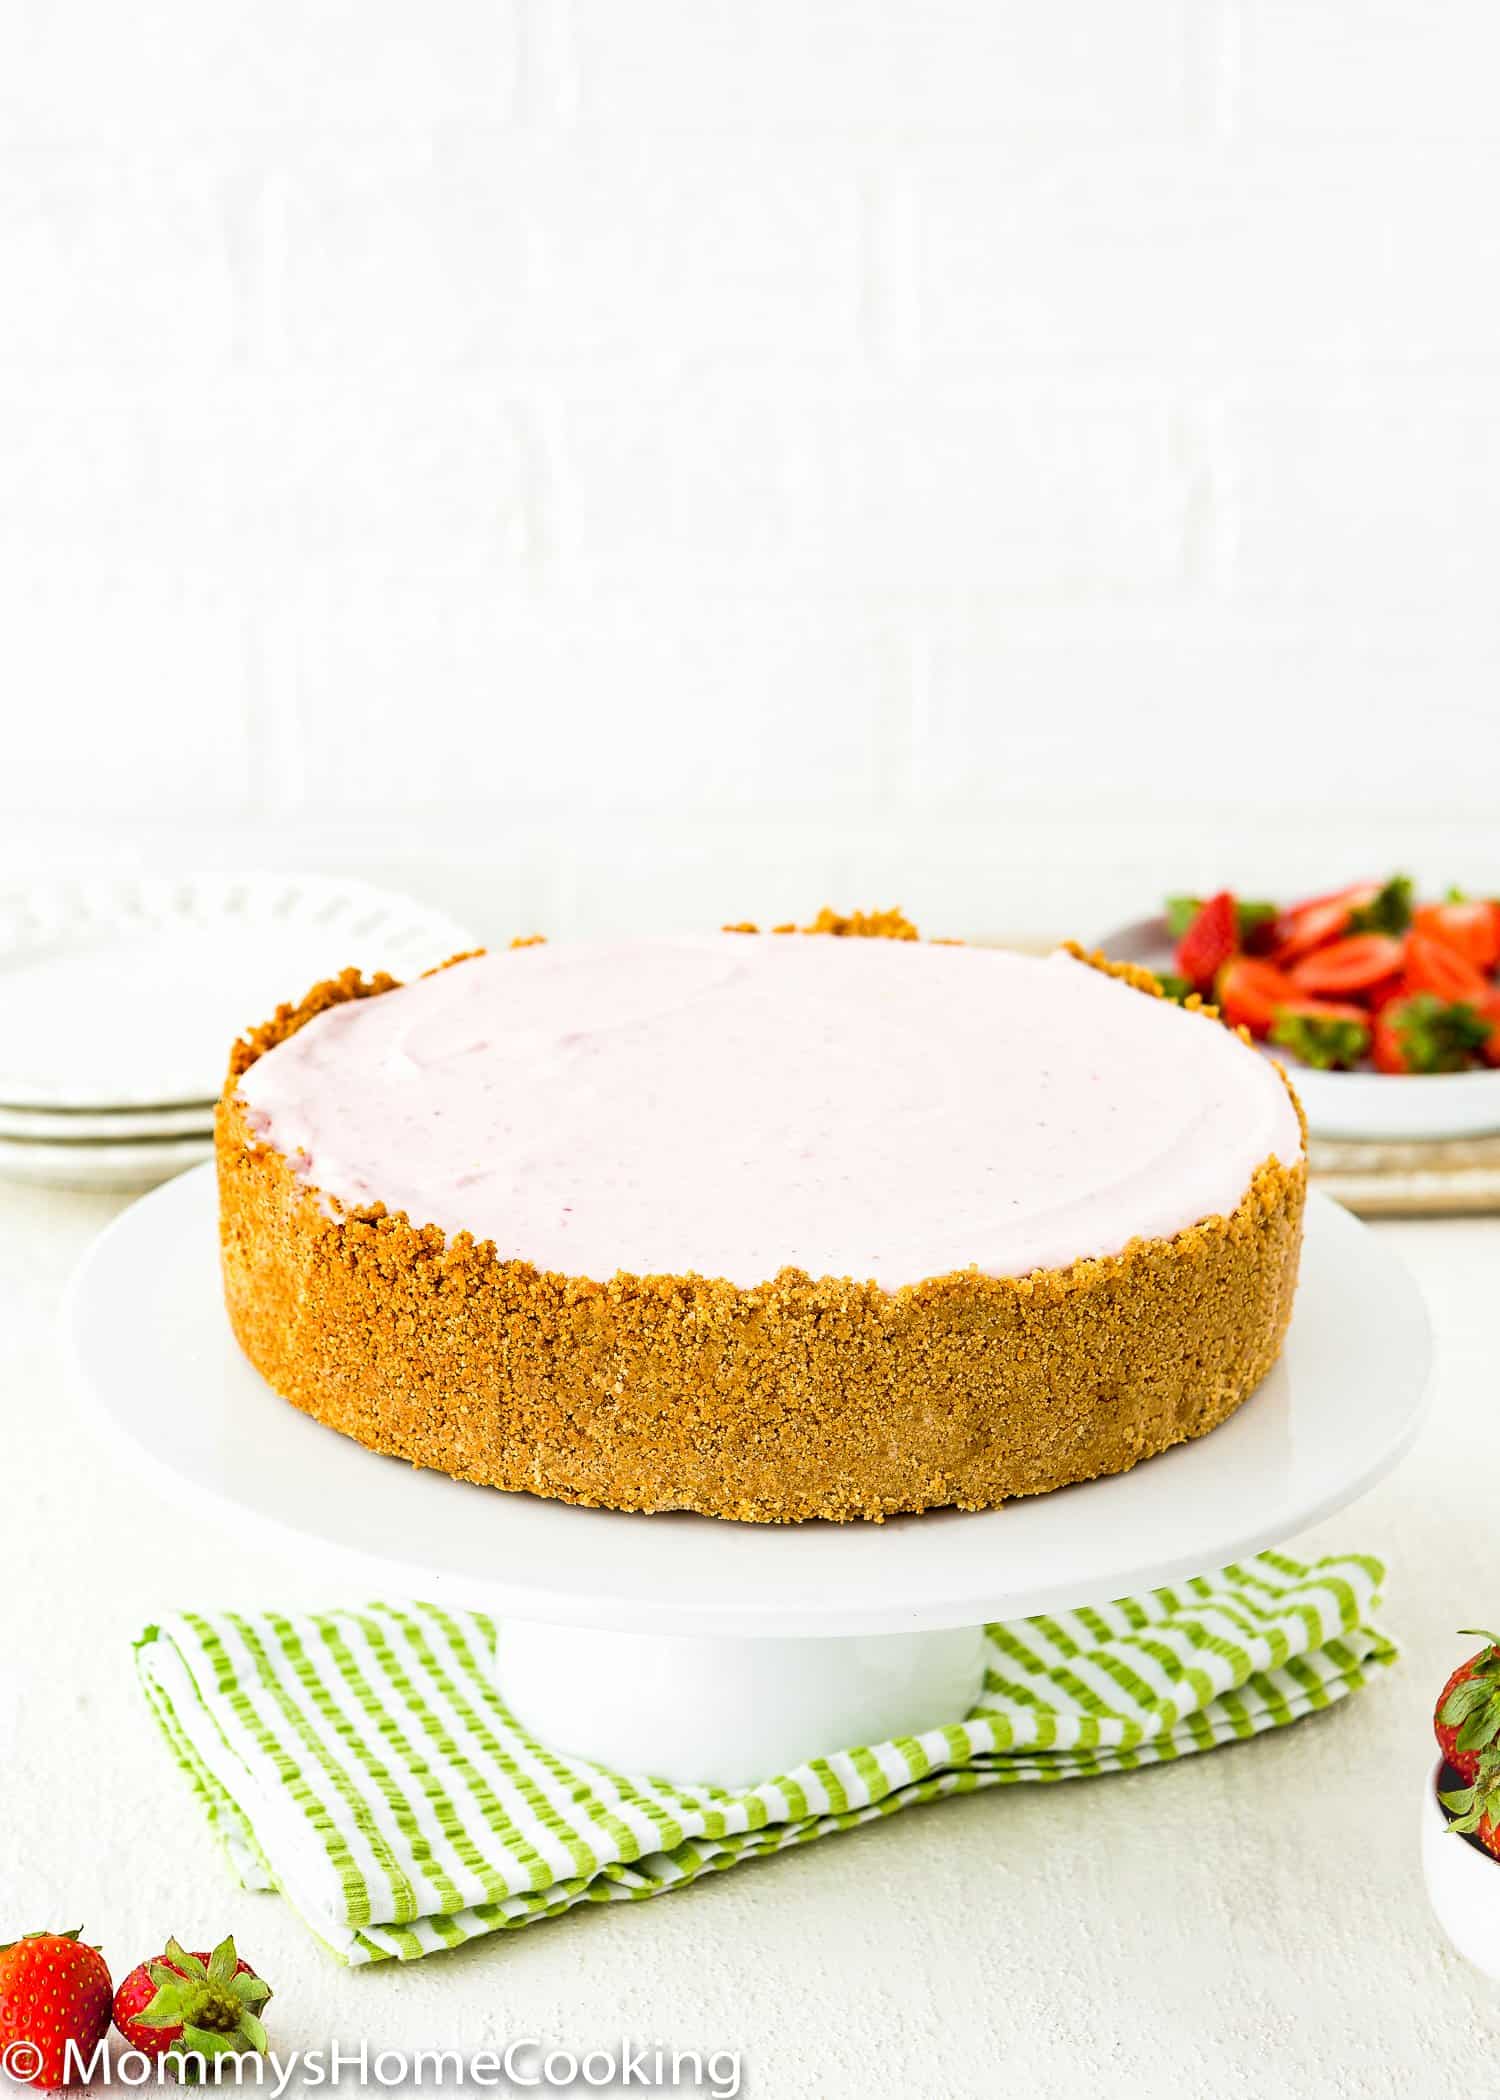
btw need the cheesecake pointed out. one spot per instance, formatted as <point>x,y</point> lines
<point>767,1226</point>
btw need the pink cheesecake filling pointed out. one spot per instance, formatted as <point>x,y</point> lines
<point>737,1104</point>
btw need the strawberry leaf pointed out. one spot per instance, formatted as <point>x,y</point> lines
<point>1388,911</point>
<point>222,1961</point>
<point>165,2009</point>
<point>205,2041</point>
<point>1324,1042</point>
<point>1438,1035</point>
<point>1460,1703</point>
<point>1482,1726</point>
<point>1181,912</point>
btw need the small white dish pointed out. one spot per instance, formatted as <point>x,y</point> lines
<point>1370,1105</point>
<point>127,994</point>
<point>1463,1883</point>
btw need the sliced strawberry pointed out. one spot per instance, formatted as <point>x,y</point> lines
<point>1356,964</point>
<point>1249,993</point>
<point>1424,1033</point>
<point>1387,1049</point>
<point>1327,1034</point>
<point>1388,911</point>
<point>1256,920</point>
<point>1380,996</point>
<point>1317,922</point>
<point>1355,894</point>
<point>1471,929</point>
<point>1326,1009</point>
<point>1210,941</point>
<point>1257,923</point>
<point>1432,966</point>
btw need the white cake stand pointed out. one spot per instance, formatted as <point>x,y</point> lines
<point>714,1652</point>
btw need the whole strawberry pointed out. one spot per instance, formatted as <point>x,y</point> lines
<point>53,1990</point>
<point>1468,1713</point>
<point>185,2004</point>
<point>1467,1726</point>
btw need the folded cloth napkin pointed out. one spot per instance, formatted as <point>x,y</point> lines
<point>364,1763</point>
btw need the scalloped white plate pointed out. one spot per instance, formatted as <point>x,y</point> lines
<point>126,995</point>
<point>102,1163</point>
<point>77,1126</point>
<point>1397,1107</point>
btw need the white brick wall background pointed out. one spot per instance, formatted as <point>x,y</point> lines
<point>610,460</point>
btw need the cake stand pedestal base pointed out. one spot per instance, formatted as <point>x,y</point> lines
<point>724,1712</point>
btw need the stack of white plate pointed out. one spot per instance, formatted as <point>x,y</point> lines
<point>119,1001</point>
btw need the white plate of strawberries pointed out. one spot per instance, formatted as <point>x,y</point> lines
<point>1385,1008</point>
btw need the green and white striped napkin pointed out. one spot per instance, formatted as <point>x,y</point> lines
<point>364,1764</point>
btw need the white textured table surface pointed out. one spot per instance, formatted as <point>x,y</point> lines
<point>1248,1922</point>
